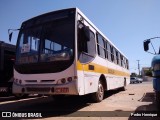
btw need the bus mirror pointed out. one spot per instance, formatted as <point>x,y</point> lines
<point>10,36</point>
<point>146,45</point>
<point>10,33</point>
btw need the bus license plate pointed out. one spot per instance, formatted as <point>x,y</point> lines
<point>62,90</point>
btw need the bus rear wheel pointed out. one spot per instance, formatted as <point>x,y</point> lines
<point>98,96</point>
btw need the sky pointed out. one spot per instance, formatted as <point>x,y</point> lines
<point>127,23</point>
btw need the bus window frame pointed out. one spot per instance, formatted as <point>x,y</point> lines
<point>100,46</point>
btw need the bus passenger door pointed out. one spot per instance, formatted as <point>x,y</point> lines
<point>86,53</point>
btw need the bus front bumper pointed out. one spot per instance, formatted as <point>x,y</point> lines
<point>46,89</point>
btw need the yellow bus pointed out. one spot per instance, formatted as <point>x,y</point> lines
<point>64,53</point>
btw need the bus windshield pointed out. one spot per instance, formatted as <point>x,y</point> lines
<point>46,42</point>
<point>52,41</point>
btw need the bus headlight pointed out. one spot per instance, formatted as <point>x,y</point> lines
<point>63,80</point>
<point>156,67</point>
<point>69,79</point>
<point>20,81</point>
<point>17,81</point>
<point>66,80</point>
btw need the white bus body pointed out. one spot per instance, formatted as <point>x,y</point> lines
<point>83,68</point>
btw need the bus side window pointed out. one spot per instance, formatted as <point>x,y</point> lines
<point>86,43</point>
<point>86,47</point>
<point>127,64</point>
<point>101,46</point>
<point>91,44</point>
<point>109,51</point>
<point>81,44</point>
<point>119,59</point>
<point>112,54</point>
<point>106,49</point>
<point>123,62</point>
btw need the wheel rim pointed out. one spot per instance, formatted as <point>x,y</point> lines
<point>100,91</point>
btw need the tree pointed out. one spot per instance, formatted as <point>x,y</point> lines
<point>133,74</point>
<point>148,73</point>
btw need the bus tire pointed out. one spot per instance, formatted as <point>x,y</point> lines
<point>98,96</point>
<point>158,100</point>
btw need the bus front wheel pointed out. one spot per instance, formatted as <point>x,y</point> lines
<point>98,96</point>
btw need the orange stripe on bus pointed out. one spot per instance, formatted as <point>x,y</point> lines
<point>101,69</point>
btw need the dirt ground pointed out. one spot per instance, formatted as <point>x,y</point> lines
<point>117,105</point>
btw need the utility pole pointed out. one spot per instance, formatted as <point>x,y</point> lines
<point>138,67</point>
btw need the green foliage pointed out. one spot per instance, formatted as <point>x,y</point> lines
<point>148,73</point>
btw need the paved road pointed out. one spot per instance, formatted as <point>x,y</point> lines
<point>137,97</point>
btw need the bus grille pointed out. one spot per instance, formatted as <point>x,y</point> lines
<point>33,89</point>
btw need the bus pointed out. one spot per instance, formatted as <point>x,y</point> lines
<point>64,53</point>
<point>155,67</point>
<point>7,57</point>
